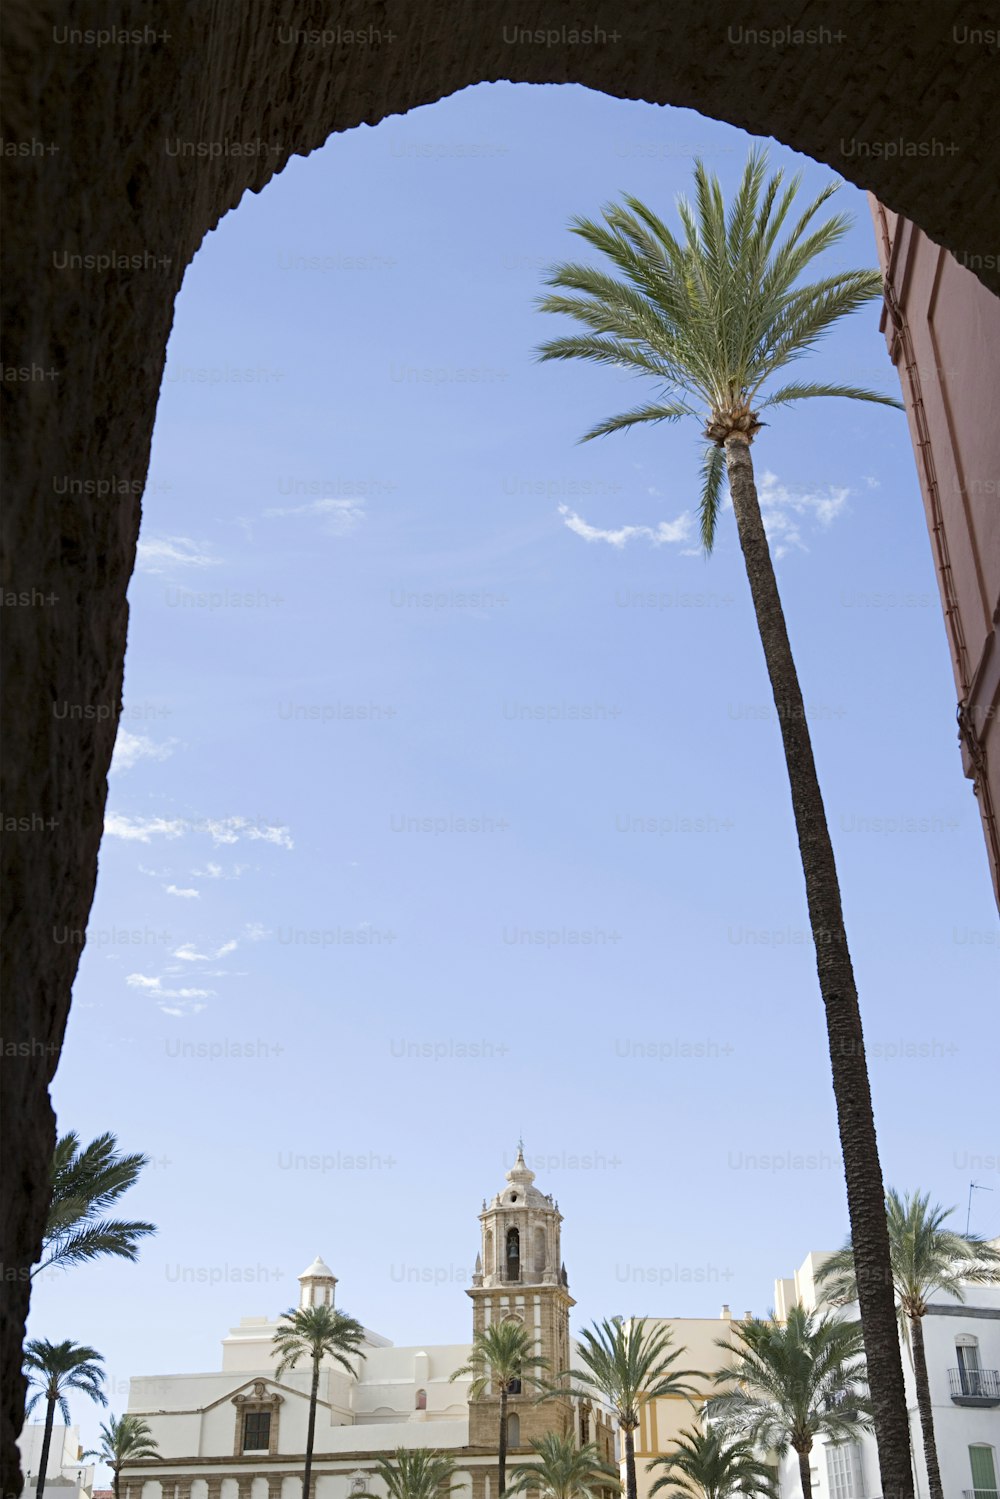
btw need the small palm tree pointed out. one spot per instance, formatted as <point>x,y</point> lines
<point>711,1465</point>
<point>797,1381</point>
<point>926,1258</point>
<point>317,1332</point>
<point>54,1369</point>
<point>85,1183</point>
<point>503,1359</point>
<point>564,1470</point>
<point>629,1364</point>
<point>416,1473</point>
<point>713,317</point>
<point>124,1441</point>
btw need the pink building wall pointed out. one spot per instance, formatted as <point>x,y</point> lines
<point>943,331</point>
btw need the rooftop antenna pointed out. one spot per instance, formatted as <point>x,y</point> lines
<point>973,1187</point>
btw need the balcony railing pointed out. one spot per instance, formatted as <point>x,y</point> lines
<point>974,1386</point>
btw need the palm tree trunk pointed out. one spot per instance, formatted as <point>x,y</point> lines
<point>311,1432</point>
<point>805,1474</point>
<point>859,1146</point>
<point>925,1409</point>
<point>116,1478</point>
<point>502,1444</point>
<point>43,1462</point>
<point>631,1485</point>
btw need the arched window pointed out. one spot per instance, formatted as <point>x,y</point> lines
<point>513,1243</point>
<point>421,1404</point>
<point>513,1431</point>
<point>967,1350</point>
<point>984,1469</point>
<point>539,1265</point>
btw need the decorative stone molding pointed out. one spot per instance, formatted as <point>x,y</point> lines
<point>252,1402</point>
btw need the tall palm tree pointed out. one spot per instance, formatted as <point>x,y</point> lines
<point>316,1332</point>
<point>564,1470</point>
<point>926,1258</point>
<point>416,1473</point>
<point>711,1465</point>
<point>85,1183</point>
<point>54,1369</point>
<point>796,1381</point>
<point>713,317</point>
<point>503,1359</point>
<point>629,1364</point>
<point>124,1441</point>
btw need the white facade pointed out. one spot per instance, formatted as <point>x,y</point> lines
<point>962,1346</point>
<point>240,1433</point>
<point>66,1473</point>
<point>400,1397</point>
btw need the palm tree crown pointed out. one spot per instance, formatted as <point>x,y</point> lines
<point>711,1465</point>
<point>796,1381</point>
<point>415,1473</point>
<point>712,317</point>
<point>319,1331</point>
<point>85,1183</point>
<point>564,1470</point>
<point>503,1356</point>
<point>124,1440</point>
<point>926,1257</point>
<point>56,1368</point>
<point>629,1363</point>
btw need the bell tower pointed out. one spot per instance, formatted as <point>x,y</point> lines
<point>519,1273</point>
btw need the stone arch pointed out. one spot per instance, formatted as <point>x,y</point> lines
<point>248,73</point>
<point>539,1255</point>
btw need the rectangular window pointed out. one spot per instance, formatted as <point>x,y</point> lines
<point>843,1471</point>
<point>256,1431</point>
<point>984,1473</point>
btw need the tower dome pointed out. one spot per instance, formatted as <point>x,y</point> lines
<point>317,1284</point>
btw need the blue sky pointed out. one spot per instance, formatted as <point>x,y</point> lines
<point>447,807</point>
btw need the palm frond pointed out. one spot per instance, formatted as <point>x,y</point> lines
<point>805,391</point>
<point>110,1236</point>
<point>634,418</point>
<point>713,473</point>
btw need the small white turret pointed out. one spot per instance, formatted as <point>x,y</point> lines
<point>317,1284</point>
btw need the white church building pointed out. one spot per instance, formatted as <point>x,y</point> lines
<point>240,1432</point>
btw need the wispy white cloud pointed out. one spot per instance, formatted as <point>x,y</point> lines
<point>131,748</point>
<point>339,517</point>
<point>188,953</point>
<point>787,511</point>
<point>171,1001</point>
<point>220,829</point>
<point>144,829</point>
<point>665,532</point>
<point>232,829</point>
<point>161,554</point>
<point>214,871</point>
<point>182,892</point>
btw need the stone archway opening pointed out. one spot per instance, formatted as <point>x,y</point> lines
<point>900,105</point>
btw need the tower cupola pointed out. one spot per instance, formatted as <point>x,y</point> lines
<point>317,1284</point>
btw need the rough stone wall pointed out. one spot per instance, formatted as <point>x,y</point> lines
<point>84,350</point>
